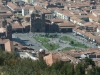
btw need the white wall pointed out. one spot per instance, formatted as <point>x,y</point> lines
<point>98,30</point>
<point>25,12</point>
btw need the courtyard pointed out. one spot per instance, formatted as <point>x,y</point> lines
<point>73,42</point>
<point>52,41</point>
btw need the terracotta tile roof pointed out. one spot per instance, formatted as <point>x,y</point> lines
<point>57,20</point>
<point>79,4</point>
<point>28,7</point>
<point>38,8</point>
<point>92,24</point>
<point>66,24</point>
<point>65,12</point>
<point>8,20</point>
<point>64,58</point>
<point>43,3</point>
<point>93,17</point>
<point>76,27</point>
<point>97,38</point>
<point>3,41</point>
<point>28,15</point>
<point>6,14</point>
<point>96,11</point>
<point>9,46</point>
<point>80,31</point>
<point>16,24</point>
<point>26,24</point>
<point>90,35</point>
<point>13,6</point>
<point>2,30</point>
<point>22,48</point>
<point>45,11</point>
<point>98,27</point>
<point>68,55</point>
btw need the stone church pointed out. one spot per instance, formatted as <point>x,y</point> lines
<point>5,30</point>
<point>6,43</point>
<point>37,22</point>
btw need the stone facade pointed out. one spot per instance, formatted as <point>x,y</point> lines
<point>6,30</point>
<point>37,22</point>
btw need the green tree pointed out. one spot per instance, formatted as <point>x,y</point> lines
<point>89,61</point>
<point>72,42</point>
<point>90,72</point>
<point>77,72</point>
<point>80,69</point>
<point>70,69</point>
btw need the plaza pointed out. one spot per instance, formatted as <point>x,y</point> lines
<point>41,41</point>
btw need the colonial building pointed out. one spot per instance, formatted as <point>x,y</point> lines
<point>37,22</point>
<point>40,24</point>
<point>5,30</point>
<point>6,35</point>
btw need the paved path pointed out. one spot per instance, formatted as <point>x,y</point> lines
<point>82,40</point>
<point>27,39</point>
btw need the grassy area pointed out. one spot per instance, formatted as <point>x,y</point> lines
<point>51,35</point>
<point>78,44</point>
<point>47,45</point>
<point>41,39</point>
<point>51,46</point>
<point>66,38</point>
<point>69,48</point>
<point>73,42</point>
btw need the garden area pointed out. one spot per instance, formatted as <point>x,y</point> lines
<point>73,42</point>
<point>58,43</point>
<point>50,46</point>
<point>66,38</point>
<point>78,44</point>
<point>45,42</point>
<point>47,35</point>
<point>70,48</point>
<point>41,39</point>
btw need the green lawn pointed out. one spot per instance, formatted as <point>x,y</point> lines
<point>51,46</point>
<point>45,40</point>
<point>66,38</point>
<point>73,42</point>
<point>41,39</point>
<point>51,35</point>
<point>69,48</point>
<point>78,44</point>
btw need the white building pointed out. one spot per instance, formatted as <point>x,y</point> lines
<point>28,55</point>
<point>29,1</point>
<point>27,9</point>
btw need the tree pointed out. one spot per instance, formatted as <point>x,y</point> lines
<point>89,61</point>
<point>90,72</point>
<point>80,69</point>
<point>77,72</point>
<point>71,42</point>
<point>1,61</point>
<point>70,69</point>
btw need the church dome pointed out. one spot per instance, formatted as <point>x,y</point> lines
<point>41,50</point>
